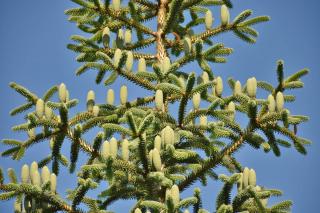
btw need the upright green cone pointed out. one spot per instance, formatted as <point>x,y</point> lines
<point>48,112</point>
<point>120,39</point>
<point>271,103</point>
<point>137,210</point>
<point>237,88</point>
<point>218,86</point>
<point>125,149</point>
<point>117,57</point>
<point>167,136</point>
<point>106,36</point>
<point>123,94</point>
<point>36,178</point>
<point>110,97</point>
<point>196,98</point>
<point>127,37</point>
<point>232,107</point>
<point>113,147</point>
<point>33,168</point>
<point>157,143</point>
<point>175,193</point>
<point>252,180</point>
<point>252,87</point>
<point>105,152</point>
<point>40,108</point>
<point>116,4</point>
<point>279,101</point>
<point>208,20</point>
<point>165,64</point>
<point>205,77</point>
<point>25,175</point>
<point>225,15</point>
<point>53,183</point>
<point>203,120</point>
<point>187,46</point>
<point>245,177</point>
<point>62,92</point>
<point>156,159</point>
<point>129,61</point>
<point>90,100</point>
<point>159,100</point>
<point>45,174</point>
<point>95,110</point>
<point>142,65</point>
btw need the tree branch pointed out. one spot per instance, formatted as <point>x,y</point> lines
<point>129,22</point>
<point>211,163</point>
<point>33,191</point>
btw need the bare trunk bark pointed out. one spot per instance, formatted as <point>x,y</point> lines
<point>161,51</point>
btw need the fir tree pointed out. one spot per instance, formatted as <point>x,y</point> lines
<point>143,149</point>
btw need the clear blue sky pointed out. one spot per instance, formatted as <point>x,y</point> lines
<point>33,53</point>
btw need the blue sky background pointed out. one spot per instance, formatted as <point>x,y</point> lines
<point>33,53</point>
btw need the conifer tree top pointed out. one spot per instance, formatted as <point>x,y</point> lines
<point>142,148</point>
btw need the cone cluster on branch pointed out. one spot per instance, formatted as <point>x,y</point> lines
<point>31,176</point>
